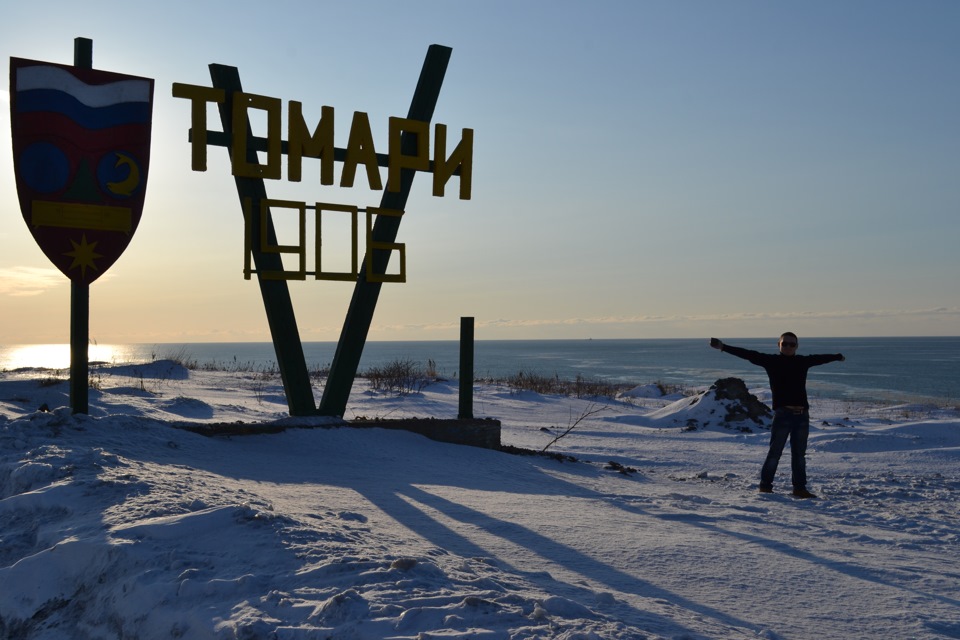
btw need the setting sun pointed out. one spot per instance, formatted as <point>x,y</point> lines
<point>53,356</point>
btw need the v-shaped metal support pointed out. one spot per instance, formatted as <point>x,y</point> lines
<point>356,326</point>
<point>275,293</point>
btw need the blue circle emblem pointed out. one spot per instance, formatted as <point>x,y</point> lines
<point>44,167</point>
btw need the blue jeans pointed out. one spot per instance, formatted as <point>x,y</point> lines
<point>796,426</point>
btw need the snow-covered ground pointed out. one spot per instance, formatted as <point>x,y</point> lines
<point>118,525</point>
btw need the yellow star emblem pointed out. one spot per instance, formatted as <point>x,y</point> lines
<point>83,255</point>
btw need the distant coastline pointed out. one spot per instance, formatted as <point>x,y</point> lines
<point>877,369</point>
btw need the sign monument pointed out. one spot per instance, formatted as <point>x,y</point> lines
<point>409,151</point>
<point>81,153</point>
<point>81,147</point>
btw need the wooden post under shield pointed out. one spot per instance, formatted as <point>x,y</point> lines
<point>80,292</point>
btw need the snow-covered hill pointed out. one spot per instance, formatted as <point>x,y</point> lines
<point>116,525</point>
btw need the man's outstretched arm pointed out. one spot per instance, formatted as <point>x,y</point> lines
<point>754,357</point>
<point>824,358</point>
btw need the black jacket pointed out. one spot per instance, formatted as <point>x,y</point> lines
<point>788,374</point>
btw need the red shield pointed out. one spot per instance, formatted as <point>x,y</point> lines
<point>81,152</point>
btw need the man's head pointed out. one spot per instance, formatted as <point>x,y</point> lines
<point>788,343</point>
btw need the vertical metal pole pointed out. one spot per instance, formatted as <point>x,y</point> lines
<point>466,369</point>
<point>79,339</point>
<point>275,293</point>
<point>356,326</point>
<point>80,292</point>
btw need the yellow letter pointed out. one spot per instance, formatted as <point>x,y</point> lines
<point>302,143</point>
<point>299,249</point>
<point>337,275</point>
<point>373,245</point>
<point>242,102</point>
<point>199,97</point>
<point>419,161</point>
<point>461,158</point>
<point>360,150</point>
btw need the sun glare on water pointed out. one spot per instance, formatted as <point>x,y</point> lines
<point>53,356</point>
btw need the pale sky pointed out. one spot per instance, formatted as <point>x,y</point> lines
<point>641,169</point>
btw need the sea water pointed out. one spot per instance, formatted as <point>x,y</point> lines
<point>876,369</point>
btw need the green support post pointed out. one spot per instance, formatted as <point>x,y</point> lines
<point>356,326</point>
<point>275,293</point>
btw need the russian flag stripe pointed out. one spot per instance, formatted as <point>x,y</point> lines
<point>51,101</point>
<point>91,95</point>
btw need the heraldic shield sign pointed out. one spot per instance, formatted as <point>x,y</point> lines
<point>81,152</point>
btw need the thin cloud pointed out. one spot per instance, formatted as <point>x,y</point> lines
<point>29,281</point>
<point>688,319</point>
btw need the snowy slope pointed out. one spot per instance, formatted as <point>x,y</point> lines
<point>116,525</point>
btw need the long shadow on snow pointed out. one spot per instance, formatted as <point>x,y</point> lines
<point>417,519</point>
<point>853,571</point>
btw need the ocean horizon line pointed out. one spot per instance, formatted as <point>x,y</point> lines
<point>882,368</point>
<point>457,339</point>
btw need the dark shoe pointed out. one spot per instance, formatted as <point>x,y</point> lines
<point>803,493</point>
<point>764,489</point>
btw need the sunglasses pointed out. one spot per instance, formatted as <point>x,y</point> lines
<point>789,344</point>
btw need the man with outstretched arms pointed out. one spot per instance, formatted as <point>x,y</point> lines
<point>791,410</point>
